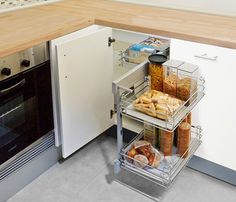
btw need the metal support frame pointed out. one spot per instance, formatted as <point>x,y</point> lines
<point>117,165</point>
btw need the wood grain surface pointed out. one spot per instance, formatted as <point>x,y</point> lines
<point>24,28</point>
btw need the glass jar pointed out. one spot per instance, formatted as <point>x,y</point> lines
<point>187,119</point>
<point>151,134</point>
<point>183,139</point>
<point>166,142</point>
<point>156,71</point>
<point>180,79</point>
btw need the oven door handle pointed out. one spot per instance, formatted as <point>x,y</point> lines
<point>17,85</point>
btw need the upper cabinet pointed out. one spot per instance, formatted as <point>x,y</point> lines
<point>216,113</point>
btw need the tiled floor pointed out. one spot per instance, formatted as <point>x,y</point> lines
<point>87,176</point>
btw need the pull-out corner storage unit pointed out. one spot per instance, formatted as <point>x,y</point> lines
<point>128,88</point>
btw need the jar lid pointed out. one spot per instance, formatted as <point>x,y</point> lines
<point>157,58</point>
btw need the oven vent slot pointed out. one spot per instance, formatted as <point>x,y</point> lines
<point>31,152</point>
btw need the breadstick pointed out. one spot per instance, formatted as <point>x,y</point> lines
<point>146,100</point>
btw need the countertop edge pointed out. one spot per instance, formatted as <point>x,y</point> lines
<point>160,32</point>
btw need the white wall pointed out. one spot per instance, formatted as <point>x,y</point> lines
<point>222,7</point>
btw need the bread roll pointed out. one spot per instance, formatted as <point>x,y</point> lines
<point>140,160</point>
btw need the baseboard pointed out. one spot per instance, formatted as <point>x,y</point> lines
<point>23,176</point>
<point>212,169</point>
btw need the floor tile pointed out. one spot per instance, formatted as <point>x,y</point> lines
<point>193,186</point>
<point>88,176</point>
<point>104,188</point>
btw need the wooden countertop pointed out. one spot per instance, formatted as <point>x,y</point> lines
<point>27,27</point>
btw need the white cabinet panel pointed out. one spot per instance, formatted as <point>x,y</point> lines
<point>216,113</point>
<point>85,67</point>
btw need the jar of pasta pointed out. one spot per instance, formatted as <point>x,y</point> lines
<point>180,79</point>
<point>156,71</point>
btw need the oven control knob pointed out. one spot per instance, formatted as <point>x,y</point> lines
<point>25,63</point>
<point>6,71</point>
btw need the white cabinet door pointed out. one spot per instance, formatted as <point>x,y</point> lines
<point>216,113</point>
<point>84,63</point>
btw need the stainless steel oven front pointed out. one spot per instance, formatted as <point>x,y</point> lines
<point>25,100</point>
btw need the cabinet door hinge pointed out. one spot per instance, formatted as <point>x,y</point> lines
<point>112,112</point>
<point>110,41</point>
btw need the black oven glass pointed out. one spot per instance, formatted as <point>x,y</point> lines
<point>25,109</point>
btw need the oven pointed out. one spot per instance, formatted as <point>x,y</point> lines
<point>25,101</point>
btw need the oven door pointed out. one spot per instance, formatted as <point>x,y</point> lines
<point>25,110</point>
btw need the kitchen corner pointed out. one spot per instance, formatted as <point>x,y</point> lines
<point>112,97</point>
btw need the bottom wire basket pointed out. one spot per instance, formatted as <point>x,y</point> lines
<point>169,166</point>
